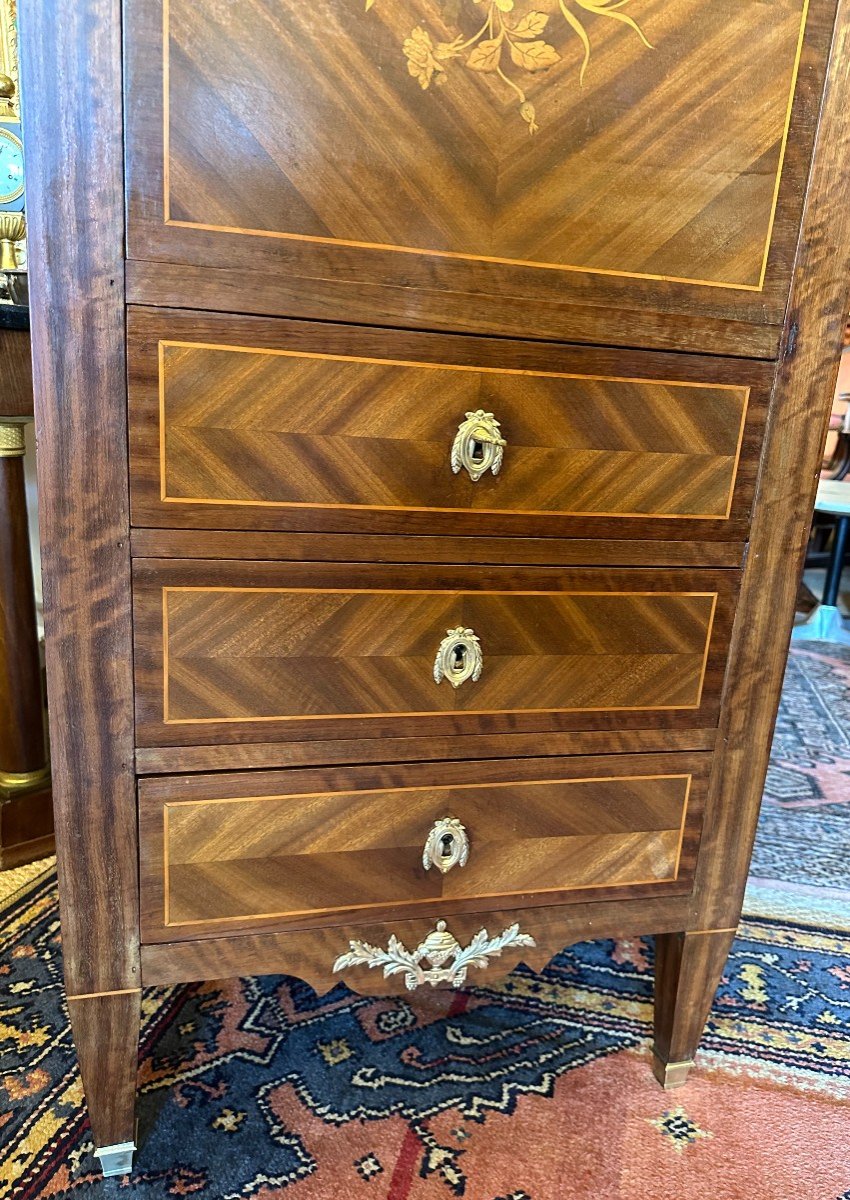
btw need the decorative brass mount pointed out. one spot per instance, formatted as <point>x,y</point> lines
<point>19,783</point>
<point>438,947</point>
<point>12,229</point>
<point>12,440</point>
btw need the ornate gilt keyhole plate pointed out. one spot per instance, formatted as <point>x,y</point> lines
<point>478,446</point>
<point>447,846</point>
<point>459,657</point>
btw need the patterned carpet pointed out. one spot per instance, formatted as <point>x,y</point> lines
<point>802,852</point>
<point>537,1088</point>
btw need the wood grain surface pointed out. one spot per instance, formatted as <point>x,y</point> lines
<point>157,760</point>
<point>22,734</point>
<point>16,373</point>
<point>71,70</point>
<point>688,967</point>
<point>311,953</point>
<point>236,651</point>
<point>235,851</point>
<point>279,424</point>
<point>666,180</point>
<point>304,162</point>
<point>106,1036</point>
<point>332,547</point>
<point>805,383</point>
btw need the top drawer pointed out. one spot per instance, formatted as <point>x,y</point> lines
<point>247,423</point>
<point>573,171</point>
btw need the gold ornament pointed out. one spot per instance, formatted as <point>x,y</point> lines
<point>12,229</point>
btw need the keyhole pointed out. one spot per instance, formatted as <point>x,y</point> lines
<point>477,451</point>
<point>459,657</point>
<point>446,845</point>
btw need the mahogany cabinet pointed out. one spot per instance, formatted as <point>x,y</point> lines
<point>430,399</point>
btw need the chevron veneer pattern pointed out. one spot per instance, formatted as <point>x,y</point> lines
<point>306,120</point>
<point>246,654</point>
<point>231,859</point>
<point>271,427</point>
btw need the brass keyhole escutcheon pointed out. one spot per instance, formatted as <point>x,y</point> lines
<point>459,657</point>
<point>447,846</point>
<point>478,446</point>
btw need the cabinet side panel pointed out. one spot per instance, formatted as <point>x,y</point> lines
<point>71,64</point>
<point>805,381</point>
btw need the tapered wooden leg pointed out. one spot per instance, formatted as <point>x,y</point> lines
<point>688,967</point>
<point>26,817</point>
<point>106,1033</point>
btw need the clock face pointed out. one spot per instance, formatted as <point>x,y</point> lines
<point>11,166</point>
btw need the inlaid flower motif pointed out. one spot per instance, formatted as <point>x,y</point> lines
<point>421,60</point>
<point>507,39</point>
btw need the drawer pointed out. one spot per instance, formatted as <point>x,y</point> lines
<point>234,851</point>
<point>249,423</point>
<point>319,170</point>
<point>236,652</point>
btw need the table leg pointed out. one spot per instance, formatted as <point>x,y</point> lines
<point>25,818</point>
<point>836,562</point>
<point>824,623</point>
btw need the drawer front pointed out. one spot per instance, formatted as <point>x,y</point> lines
<point>264,424</point>
<point>234,851</point>
<point>322,171</point>
<point>237,652</point>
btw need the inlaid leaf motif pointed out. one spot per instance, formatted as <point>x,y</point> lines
<point>534,56</point>
<point>522,40</point>
<point>531,25</point>
<point>485,56</point>
<point>576,24</point>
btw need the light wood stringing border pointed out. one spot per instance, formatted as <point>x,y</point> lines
<point>422,592</point>
<point>398,362</point>
<point>166,878</point>
<point>518,262</point>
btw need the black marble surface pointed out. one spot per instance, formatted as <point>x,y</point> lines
<point>14,316</point>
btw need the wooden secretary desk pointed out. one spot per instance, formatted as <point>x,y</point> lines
<point>430,396</point>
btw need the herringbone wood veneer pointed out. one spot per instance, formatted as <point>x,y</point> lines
<point>401,165</point>
<point>234,644</point>
<point>274,428</point>
<point>258,423</point>
<point>619,177</point>
<point>219,853</point>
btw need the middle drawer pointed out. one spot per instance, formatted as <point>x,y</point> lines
<point>230,652</point>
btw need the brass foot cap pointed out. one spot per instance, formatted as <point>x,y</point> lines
<point>671,1075</point>
<point>117,1159</point>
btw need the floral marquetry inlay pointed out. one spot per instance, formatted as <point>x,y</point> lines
<point>508,40</point>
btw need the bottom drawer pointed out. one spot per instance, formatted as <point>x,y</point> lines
<point>283,849</point>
